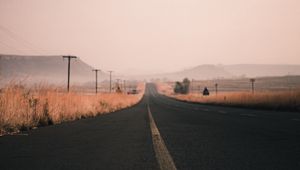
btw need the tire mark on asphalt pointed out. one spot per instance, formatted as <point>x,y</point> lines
<point>223,112</point>
<point>295,119</point>
<point>248,114</point>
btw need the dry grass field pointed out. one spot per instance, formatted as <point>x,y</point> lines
<point>275,100</point>
<point>24,108</point>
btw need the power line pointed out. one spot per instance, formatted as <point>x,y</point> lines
<point>9,47</point>
<point>14,36</point>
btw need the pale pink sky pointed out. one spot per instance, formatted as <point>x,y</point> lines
<point>154,35</point>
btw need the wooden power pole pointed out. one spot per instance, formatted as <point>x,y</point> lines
<point>124,85</point>
<point>252,83</point>
<point>110,80</point>
<point>69,68</point>
<point>216,86</point>
<point>96,72</point>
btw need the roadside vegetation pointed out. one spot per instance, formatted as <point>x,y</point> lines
<point>182,87</point>
<point>25,108</point>
<point>288,100</point>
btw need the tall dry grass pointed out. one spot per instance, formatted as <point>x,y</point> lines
<point>275,100</point>
<point>24,108</point>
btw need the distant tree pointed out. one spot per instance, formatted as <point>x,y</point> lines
<point>182,88</point>
<point>178,87</point>
<point>186,85</point>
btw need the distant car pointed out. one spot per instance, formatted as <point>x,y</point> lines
<point>134,91</point>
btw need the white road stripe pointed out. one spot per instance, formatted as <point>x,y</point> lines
<point>162,154</point>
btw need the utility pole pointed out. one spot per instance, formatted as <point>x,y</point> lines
<point>96,72</point>
<point>118,80</point>
<point>69,68</point>
<point>110,80</point>
<point>124,86</point>
<point>192,84</point>
<point>289,82</point>
<point>118,86</point>
<point>252,83</point>
<point>216,86</point>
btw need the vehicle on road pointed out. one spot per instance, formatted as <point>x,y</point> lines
<point>134,91</point>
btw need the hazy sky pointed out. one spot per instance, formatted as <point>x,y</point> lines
<point>154,35</point>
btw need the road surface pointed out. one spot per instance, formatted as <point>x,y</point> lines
<point>160,132</point>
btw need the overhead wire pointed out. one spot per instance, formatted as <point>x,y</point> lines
<point>9,47</point>
<point>15,37</point>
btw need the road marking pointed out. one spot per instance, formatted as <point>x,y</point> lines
<point>223,112</point>
<point>162,154</point>
<point>22,134</point>
<point>248,114</point>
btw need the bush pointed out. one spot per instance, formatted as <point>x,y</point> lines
<point>182,88</point>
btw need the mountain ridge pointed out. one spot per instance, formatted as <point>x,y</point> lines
<point>210,71</point>
<point>50,69</point>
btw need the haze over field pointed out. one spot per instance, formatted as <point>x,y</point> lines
<point>53,69</point>
<point>141,36</point>
<point>50,69</point>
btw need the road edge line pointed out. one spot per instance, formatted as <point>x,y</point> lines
<point>162,154</point>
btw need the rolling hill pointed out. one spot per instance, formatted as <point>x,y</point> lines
<point>36,69</point>
<point>208,72</point>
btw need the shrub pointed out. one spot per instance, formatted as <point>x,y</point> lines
<point>182,88</point>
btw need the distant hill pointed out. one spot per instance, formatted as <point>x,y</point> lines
<point>254,70</point>
<point>206,72</point>
<point>50,69</point>
<point>199,72</point>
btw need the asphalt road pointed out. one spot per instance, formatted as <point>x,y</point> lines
<point>192,136</point>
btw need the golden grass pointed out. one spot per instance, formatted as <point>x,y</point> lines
<point>22,108</point>
<point>275,100</point>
